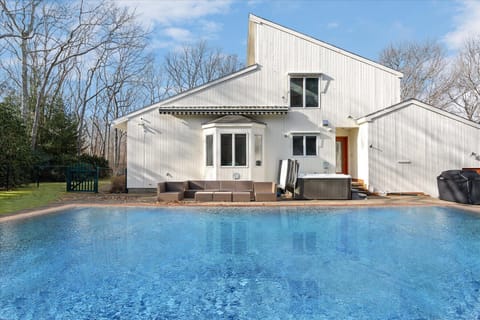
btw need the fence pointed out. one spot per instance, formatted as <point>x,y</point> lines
<point>11,176</point>
<point>82,178</point>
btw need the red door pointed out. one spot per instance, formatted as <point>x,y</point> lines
<point>341,148</point>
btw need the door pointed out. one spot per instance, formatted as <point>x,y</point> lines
<point>341,149</point>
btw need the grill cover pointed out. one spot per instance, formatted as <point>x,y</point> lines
<point>460,186</point>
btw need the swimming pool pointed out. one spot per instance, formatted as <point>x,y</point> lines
<point>242,263</point>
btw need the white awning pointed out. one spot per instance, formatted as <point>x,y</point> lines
<point>224,110</point>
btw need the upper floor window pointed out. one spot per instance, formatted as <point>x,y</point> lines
<point>303,92</point>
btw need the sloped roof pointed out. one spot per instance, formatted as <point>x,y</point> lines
<point>324,44</point>
<point>234,119</point>
<point>119,121</point>
<point>391,109</point>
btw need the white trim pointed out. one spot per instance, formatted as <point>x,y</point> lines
<point>117,122</point>
<point>259,20</point>
<point>380,113</point>
<point>233,125</point>
<point>305,74</point>
<point>298,133</point>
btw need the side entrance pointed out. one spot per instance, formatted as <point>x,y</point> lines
<point>341,156</point>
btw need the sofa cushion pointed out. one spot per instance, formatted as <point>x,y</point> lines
<point>203,196</point>
<point>212,185</point>
<point>222,196</point>
<point>175,186</point>
<point>241,196</point>
<point>265,191</point>
<point>227,185</point>
<point>196,184</point>
<point>170,196</point>
<point>244,185</point>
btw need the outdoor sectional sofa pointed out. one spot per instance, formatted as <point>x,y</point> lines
<point>217,190</point>
<point>171,190</point>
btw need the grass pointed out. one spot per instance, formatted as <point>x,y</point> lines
<point>30,197</point>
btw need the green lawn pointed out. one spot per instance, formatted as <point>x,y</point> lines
<point>30,196</point>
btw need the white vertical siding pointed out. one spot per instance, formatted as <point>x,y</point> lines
<point>350,86</point>
<point>430,142</point>
<point>169,148</point>
<point>354,87</point>
<point>363,153</point>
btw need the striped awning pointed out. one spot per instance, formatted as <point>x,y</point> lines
<point>223,110</point>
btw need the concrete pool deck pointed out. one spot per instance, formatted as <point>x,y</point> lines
<point>79,200</point>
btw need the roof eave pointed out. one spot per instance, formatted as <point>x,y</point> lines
<point>188,92</point>
<point>377,114</point>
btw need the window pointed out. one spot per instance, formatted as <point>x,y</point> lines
<point>233,149</point>
<point>258,150</point>
<point>303,92</point>
<point>297,145</point>
<point>310,145</point>
<point>240,149</point>
<point>209,150</point>
<point>226,149</point>
<point>304,145</point>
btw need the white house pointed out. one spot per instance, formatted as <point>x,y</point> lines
<point>304,99</point>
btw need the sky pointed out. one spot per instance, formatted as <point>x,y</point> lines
<point>361,27</point>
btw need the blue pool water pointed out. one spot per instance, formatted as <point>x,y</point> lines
<point>231,263</point>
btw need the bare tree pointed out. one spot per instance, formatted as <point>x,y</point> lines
<point>153,82</point>
<point>51,39</point>
<point>197,64</point>
<point>465,93</point>
<point>424,68</point>
<point>89,57</point>
<point>18,28</point>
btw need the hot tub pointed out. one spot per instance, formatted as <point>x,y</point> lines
<point>323,186</point>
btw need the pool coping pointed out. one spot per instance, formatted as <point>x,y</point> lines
<point>401,201</point>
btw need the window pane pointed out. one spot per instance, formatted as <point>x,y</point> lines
<point>240,149</point>
<point>311,92</point>
<point>297,145</point>
<point>209,150</point>
<point>296,92</point>
<point>226,149</point>
<point>311,145</point>
<point>258,150</point>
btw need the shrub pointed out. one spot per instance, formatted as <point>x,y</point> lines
<point>118,184</point>
<point>96,161</point>
<point>15,154</point>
